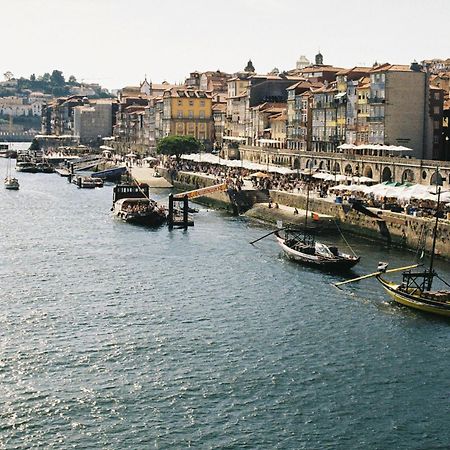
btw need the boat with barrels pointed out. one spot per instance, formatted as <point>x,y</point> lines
<point>301,246</point>
<point>416,288</point>
<point>132,204</point>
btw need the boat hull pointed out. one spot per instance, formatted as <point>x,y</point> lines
<point>414,301</point>
<point>149,220</point>
<point>332,264</point>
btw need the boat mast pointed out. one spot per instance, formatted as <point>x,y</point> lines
<point>307,202</point>
<point>435,230</point>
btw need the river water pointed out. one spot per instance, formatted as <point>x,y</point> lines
<point>120,337</point>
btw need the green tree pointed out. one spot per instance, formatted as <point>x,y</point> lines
<point>57,78</point>
<point>33,77</point>
<point>72,79</point>
<point>35,145</point>
<point>45,78</point>
<point>177,145</point>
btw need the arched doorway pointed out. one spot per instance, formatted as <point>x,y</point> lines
<point>337,168</point>
<point>407,176</point>
<point>368,172</point>
<point>309,164</point>
<point>321,165</point>
<point>387,174</point>
<point>348,170</point>
<point>436,179</point>
<point>296,163</point>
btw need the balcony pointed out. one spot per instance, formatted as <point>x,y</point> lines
<point>376,100</point>
<point>375,119</point>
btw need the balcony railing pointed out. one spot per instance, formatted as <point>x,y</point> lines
<point>376,100</point>
<point>375,119</point>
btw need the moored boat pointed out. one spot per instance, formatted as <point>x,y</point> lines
<point>414,295</point>
<point>12,183</point>
<point>131,203</point>
<point>86,182</point>
<point>301,247</point>
<point>111,174</point>
<point>26,166</point>
<point>416,289</point>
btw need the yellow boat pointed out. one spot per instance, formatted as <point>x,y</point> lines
<point>436,302</point>
<point>415,290</point>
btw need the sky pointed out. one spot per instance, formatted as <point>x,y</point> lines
<point>118,42</point>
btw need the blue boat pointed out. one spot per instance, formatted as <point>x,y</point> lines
<point>111,174</point>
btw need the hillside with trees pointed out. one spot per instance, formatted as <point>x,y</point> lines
<point>53,83</point>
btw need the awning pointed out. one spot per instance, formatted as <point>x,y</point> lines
<point>268,141</point>
<point>340,95</point>
<point>234,138</point>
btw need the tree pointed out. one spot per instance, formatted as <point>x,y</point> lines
<point>177,145</point>
<point>57,78</point>
<point>8,76</point>
<point>72,79</point>
<point>35,145</point>
<point>33,77</point>
<point>45,78</point>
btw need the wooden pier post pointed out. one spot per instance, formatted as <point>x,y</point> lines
<point>185,212</point>
<point>170,217</point>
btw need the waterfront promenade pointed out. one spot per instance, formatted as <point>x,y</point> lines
<point>398,229</point>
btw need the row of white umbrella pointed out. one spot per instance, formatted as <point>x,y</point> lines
<point>402,193</point>
<point>214,159</point>
<point>338,177</point>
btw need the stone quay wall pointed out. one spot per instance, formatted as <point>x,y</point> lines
<point>399,229</point>
<point>404,231</point>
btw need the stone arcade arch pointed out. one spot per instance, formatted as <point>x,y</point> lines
<point>436,179</point>
<point>386,174</point>
<point>348,169</point>
<point>368,172</point>
<point>296,164</point>
<point>407,175</point>
<point>337,167</point>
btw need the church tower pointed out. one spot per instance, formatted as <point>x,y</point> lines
<point>319,59</point>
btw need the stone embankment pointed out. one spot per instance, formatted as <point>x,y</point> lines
<point>388,227</point>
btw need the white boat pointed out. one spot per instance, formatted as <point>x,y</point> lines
<point>11,182</point>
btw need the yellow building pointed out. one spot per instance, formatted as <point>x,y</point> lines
<point>188,112</point>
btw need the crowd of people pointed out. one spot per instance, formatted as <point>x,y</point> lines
<point>238,177</point>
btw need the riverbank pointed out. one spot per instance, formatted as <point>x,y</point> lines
<point>388,227</point>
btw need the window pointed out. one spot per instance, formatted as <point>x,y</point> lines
<point>191,114</point>
<point>180,102</point>
<point>202,102</point>
<point>437,96</point>
<point>191,102</point>
<point>436,124</point>
<point>436,110</point>
<point>180,114</point>
<point>202,114</point>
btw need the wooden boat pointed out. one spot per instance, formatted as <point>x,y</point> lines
<point>132,204</point>
<point>86,182</point>
<point>7,152</point>
<point>11,182</point>
<point>301,247</point>
<point>111,174</point>
<point>416,289</point>
<point>26,166</point>
<point>411,292</point>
